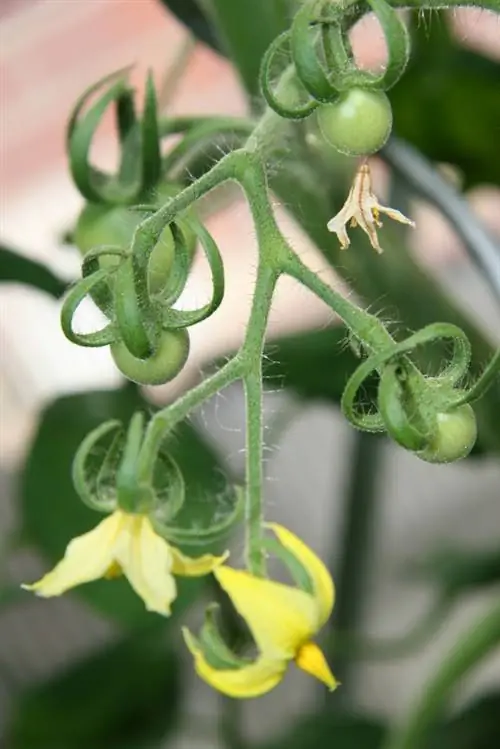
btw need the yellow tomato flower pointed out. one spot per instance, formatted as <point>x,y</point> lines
<point>362,208</point>
<point>282,619</point>
<point>125,543</point>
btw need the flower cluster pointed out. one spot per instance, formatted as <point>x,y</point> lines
<point>283,619</point>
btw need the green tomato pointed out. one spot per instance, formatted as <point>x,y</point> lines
<point>115,225</point>
<point>454,438</point>
<point>165,364</point>
<point>358,123</point>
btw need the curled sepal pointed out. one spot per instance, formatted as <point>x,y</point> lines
<point>483,383</point>
<point>211,643</point>
<point>169,487</point>
<point>306,59</point>
<point>204,519</point>
<point>397,41</point>
<point>133,493</point>
<point>94,466</point>
<point>140,159</point>
<point>183,237</point>
<point>73,299</point>
<point>133,311</point>
<point>290,110</point>
<point>443,383</point>
<point>174,318</point>
<point>399,410</point>
<point>93,261</point>
<point>298,572</point>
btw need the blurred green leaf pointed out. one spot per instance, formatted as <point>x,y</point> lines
<point>265,18</point>
<point>316,365</point>
<point>331,730</point>
<point>448,103</point>
<point>460,572</point>
<point>476,727</point>
<point>16,268</point>
<point>192,16</point>
<point>125,696</point>
<point>53,514</point>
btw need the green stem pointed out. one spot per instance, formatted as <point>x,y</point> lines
<point>165,420</point>
<point>365,327</point>
<point>358,516</point>
<point>251,354</point>
<point>472,647</point>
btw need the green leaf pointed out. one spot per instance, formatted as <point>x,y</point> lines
<point>328,730</point>
<point>192,16</point>
<point>476,727</point>
<point>460,572</point>
<point>247,28</point>
<point>16,268</point>
<point>53,514</point>
<point>125,696</point>
<point>448,104</point>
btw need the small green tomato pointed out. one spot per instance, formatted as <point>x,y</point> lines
<point>165,364</point>
<point>358,123</point>
<point>115,225</point>
<point>454,438</point>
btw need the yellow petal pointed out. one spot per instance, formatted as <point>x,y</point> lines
<point>280,617</point>
<point>311,660</point>
<point>320,577</point>
<point>146,560</point>
<point>86,558</point>
<point>195,566</point>
<point>250,681</point>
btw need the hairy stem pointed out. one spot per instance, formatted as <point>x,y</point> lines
<point>366,327</point>
<point>252,358</point>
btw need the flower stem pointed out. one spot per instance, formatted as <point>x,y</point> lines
<point>251,353</point>
<point>472,647</point>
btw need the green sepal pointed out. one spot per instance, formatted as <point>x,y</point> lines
<point>490,373</point>
<point>211,643</point>
<point>140,159</point>
<point>399,408</point>
<point>101,294</point>
<point>132,312</point>
<point>397,41</point>
<point>95,485</point>
<point>297,570</point>
<point>306,60</point>
<point>226,510</point>
<point>75,296</point>
<point>439,398</point>
<point>133,495</point>
<point>284,109</point>
<point>173,318</point>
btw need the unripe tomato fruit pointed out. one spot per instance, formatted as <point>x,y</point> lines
<point>115,225</point>
<point>165,364</point>
<point>358,123</point>
<point>454,438</point>
<point>100,224</point>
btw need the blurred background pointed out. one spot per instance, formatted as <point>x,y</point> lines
<point>91,670</point>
